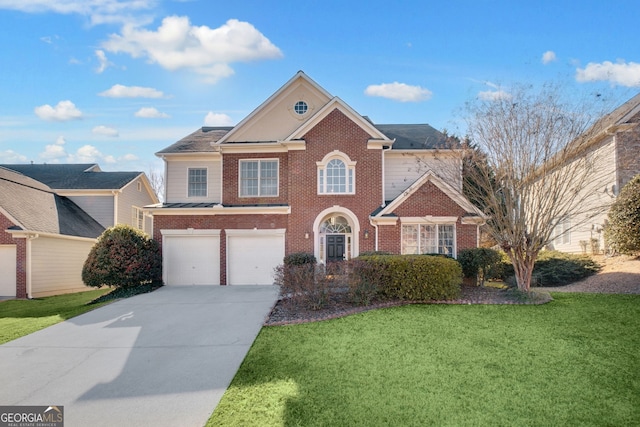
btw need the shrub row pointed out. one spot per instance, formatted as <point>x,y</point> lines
<point>394,277</point>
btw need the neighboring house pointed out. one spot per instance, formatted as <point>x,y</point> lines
<point>615,147</point>
<point>109,197</point>
<point>304,172</point>
<point>44,238</point>
<point>50,217</point>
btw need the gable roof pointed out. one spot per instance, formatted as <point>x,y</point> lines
<point>451,192</point>
<point>33,206</point>
<point>74,176</point>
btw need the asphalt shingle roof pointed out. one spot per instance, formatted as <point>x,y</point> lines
<point>414,136</point>
<point>36,207</point>
<point>197,142</point>
<point>84,176</point>
<point>407,136</point>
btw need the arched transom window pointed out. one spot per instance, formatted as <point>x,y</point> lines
<point>335,224</point>
<point>336,174</point>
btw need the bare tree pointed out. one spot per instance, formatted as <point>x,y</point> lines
<point>156,179</point>
<point>537,161</point>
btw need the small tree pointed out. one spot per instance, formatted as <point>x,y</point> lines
<point>534,166</point>
<point>477,262</point>
<point>623,232</point>
<point>123,256</point>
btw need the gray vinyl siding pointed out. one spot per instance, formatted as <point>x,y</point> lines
<point>403,170</point>
<point>177,181</point>
<point>99,207</point>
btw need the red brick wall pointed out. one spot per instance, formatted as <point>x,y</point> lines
<point>428,200</point>
<point>335,132</point>
<point>231,188</point>
<point>21,256</point>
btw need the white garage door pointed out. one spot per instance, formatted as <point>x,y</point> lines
<point>191,259</point>
<point>251,257</point>
<point>8,269</point>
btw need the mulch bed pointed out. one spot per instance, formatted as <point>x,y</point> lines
<point>340,306</point>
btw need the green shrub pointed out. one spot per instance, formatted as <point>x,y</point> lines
<point>554,268</point>
<point>623,231</point>
<point>478,262</point>
<point>123,256</point>
<point>417,277</point>
<point>372,253</point>
<point>299,258</point>
<point>364,280</point>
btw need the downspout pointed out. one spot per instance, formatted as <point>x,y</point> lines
<point>28,263</point>
<point>375,227</point>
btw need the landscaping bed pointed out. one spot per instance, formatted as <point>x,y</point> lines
<point>339,304</point>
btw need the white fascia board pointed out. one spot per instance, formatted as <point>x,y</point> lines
<point>254,147</point>
<point>429,219</point>
<point>378,144</point>
<point>256,232</point>
<point>384,220</point>
<point>269,101</point>
<point>35,234</point>
<point>190,232</point>
<point>346,110</point>
<point>220,210</point>
<point>189,157</point>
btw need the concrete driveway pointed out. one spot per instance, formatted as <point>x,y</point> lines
<point>158,359</point>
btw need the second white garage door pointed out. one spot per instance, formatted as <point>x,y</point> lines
<point>252,255</point>
<point>191,259</point>
<point>8,269</point>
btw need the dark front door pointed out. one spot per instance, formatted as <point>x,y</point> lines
<point>335,247</point>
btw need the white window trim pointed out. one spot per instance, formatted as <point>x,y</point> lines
<point>436,224</point>
<point>137,218</point>
<point>322,166</point>
<point>259,169</point>
<point>207,183</point>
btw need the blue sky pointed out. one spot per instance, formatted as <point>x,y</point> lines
<point>114,81</point>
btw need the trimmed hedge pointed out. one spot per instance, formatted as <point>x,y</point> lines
<point>300,258</point>
<point>417,277</point>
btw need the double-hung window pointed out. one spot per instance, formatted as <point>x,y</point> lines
<point>137,218</point>
<point>197,186</point>
<point>259,178</point>
<point>428,239</point>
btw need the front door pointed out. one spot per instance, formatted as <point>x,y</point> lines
<point>335,247</point>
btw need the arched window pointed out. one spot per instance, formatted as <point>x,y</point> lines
<point>336,174</point>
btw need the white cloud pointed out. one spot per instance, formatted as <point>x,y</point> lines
<point>62,112</point>
<point>105,131</point>
<point>399,92</point>
<point>151,113</point>
<point>217,119</point>
<point>54,151</point>
<point>548,56</point>
<point>177,44</point>
<point>493,95</point>
<point>104,63</point>
<point>121,91</point>
<point>620,73</point>
<point>128,158</point>
<point>10,156</point>
<point>89,154</point>
<point>98,11</point>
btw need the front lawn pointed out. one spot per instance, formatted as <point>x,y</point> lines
<point>22,317</point>
<point>574,361</point>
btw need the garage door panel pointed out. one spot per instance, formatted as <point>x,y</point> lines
<point>251,259</point>
<point>192,260</point>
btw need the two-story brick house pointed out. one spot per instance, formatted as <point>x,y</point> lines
<point>304,172</point>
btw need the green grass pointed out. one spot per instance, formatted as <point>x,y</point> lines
<point>574,361</point>
<point>22,317</point>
